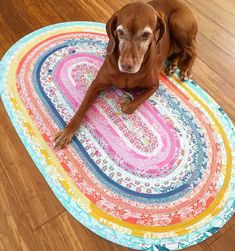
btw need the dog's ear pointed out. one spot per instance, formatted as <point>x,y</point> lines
<point>110,28</point>
<point>161,27</point>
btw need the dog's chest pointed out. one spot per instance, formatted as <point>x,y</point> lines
<point>132,82</point>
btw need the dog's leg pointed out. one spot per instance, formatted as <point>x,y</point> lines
<point>186,66</point>
<point>64,136</point>
<point>172,67</point>
<point>183,28</point>
<point>129,106</point>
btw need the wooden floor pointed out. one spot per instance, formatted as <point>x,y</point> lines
<point>31,218</point>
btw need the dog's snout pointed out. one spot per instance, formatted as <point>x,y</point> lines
<point>126,67</point>
<point>127,64</point>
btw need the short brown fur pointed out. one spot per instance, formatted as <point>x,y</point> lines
<point>174,33</point>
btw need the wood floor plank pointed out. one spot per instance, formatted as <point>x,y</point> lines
<point>13,25</point>
<point>99,10</point>
<point>226,242</point>
<point>65,233</point>
<point>220,62</point>
<point>213,10</point>
<point>15,233</point>
<point>228,5</point>
<point>34,195</point>
<point>222,91</point>
<point>74,11</point>
<point>224,40</point>
<point>30,15</point>
<point>5,38</point>
<point>200,247</point>
<point>116,5</point>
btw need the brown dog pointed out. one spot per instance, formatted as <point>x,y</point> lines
<point>141,37</point>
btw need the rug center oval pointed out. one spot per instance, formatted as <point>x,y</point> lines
<point>133,138</point>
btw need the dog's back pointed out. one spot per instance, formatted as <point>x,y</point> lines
<point>165,6</point>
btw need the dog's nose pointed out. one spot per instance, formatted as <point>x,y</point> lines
<point>127,65</point>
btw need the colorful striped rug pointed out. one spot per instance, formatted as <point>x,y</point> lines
<point>160,179</point>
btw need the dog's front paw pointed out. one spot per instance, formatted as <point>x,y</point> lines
<point>185,74</point>
<point>127,108</point>
<point>171,69</point>
<point>63,138</point>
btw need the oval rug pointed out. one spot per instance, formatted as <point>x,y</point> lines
<point>160,179</point>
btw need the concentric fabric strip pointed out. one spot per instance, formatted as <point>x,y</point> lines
<point>181,192</point>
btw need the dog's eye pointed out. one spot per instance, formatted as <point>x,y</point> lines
<point>145,35</point>
<point>120,33</point>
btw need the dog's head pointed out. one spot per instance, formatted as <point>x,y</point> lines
<point>131,30</point>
